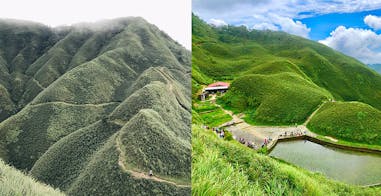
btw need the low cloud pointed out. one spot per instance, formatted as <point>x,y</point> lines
<point>265,26</point>
<point>293,27</point>
<point>222,5</point>
<point>280,23</point>
<point>373,21</point>
<point>362,44</point>
<point>217,22</point>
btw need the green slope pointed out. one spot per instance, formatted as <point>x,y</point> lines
<point>274,99</point>
<point>349,121</point>
<point>72,95</point>
<point>14,182</point>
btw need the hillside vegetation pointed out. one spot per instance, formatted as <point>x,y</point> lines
<point>350,121</point>
<point>14,182</point>
<point>274,99</point>
<point>92,108</point>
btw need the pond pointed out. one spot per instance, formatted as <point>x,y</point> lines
<point>352,167</point>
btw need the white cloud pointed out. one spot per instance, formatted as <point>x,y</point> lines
<point>373,21</point>
<point>173,17</point>
<point>362,44</point>
<point>217,22</point>
<point>265,26</point>
<point>280,23</point>
<point>290,26</point>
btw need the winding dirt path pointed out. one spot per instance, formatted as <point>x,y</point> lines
<point>313,113</point>
<point>137,174</point>
<point>76,104</point>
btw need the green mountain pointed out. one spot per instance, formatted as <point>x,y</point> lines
<point>280,79</point>
<point>92,108</point>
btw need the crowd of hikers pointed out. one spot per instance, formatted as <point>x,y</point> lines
<point>219,131</point>
<point>221,134</point>
<point>254,146</point>
<point>293,134</point>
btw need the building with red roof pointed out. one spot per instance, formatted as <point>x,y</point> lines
<point>219,84</point>
<point>217,87</point>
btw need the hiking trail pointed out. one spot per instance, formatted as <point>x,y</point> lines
<point>137,174</point>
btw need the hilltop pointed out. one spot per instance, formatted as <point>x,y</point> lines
<point>91,108</point>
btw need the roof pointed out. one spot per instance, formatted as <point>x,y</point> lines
<point>217,84</point>
<point>216,88</point>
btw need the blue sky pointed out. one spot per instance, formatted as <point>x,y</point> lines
<point>350,26</point>
<point>322,25</point>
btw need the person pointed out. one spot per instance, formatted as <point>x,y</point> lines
<point>150,173</point>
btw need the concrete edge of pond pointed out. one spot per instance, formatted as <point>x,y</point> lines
<point>324,143</point>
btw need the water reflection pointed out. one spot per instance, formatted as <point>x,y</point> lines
<point>343,165</point>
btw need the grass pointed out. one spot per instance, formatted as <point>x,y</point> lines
<point>32,131</point>
<point>215,118</point>
<point>349,121</point>
<point>210,114</point>
<point>352,144</point>
<point>276,99</point>
<point>14,182</point>
<point>223,167</point>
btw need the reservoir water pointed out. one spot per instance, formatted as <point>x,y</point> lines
<point>343,165</point>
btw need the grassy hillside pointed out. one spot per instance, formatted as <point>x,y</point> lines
<point>298,72</point>
<point>14,182</point>
<point>349,121</point>
<point>209,114</point>
<point>223,167</point>
<point>282,98</point>
<point>109,100</point>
